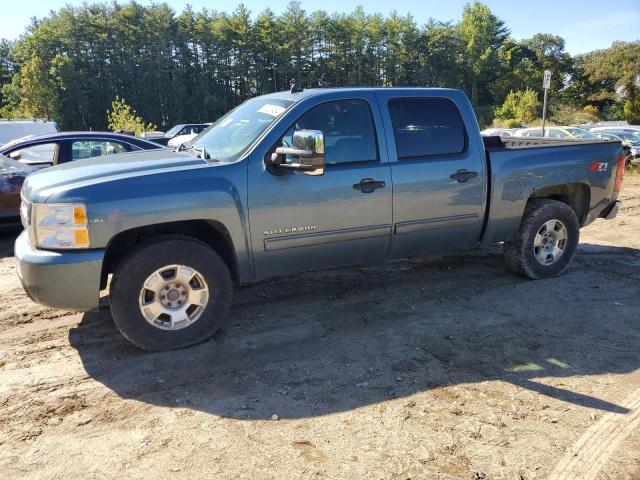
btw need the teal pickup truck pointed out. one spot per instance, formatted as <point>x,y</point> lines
<point>301,180</point>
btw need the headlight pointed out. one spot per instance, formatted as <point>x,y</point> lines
<point>60,225</point>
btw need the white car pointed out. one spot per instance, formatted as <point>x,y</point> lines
<point>191,132</point>
<point>177,142</point>
<point>501,132</point>
<point>622,128</point>
<point>14,129</point>
<point>555,132</point>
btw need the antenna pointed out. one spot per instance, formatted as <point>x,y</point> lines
<point>295,88</point>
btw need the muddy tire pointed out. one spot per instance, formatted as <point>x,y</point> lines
<point>170,293</point>
<point>546,240</point>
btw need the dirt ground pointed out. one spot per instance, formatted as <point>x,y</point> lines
<point>438,367</point>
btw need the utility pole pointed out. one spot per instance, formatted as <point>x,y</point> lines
<point>546,83</point>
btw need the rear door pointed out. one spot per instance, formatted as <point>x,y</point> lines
<point>438,173</point>
<point>300,222</point>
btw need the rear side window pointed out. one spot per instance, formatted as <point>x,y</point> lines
<point>426,127</point>
<point>555,133</point>
<point>94,148</point>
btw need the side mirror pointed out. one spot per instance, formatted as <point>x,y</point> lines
<point>307,153</point>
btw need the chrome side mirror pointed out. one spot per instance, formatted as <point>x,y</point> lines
<point>307,153</point>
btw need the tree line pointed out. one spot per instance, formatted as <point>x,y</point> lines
<point>174,67</point>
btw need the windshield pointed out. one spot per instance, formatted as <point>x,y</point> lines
<point>580,133</point>
<point>173,131</point>
<point>630,138</point>
<point>229,137</point>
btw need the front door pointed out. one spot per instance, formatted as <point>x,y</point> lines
<point>300,222</point>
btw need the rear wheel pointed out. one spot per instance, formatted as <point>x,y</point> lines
<point>170,293</point>
<point>546,241</point>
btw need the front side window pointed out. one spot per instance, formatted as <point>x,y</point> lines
<point>36,154</point>
<point>349,132</point>
<point>426,127</point>
<point>94,148</point>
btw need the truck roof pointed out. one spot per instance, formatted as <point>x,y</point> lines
<point>309,92</point>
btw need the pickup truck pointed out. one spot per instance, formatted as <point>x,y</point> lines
<point>300,180</point>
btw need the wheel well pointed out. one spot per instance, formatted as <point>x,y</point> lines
<point>212,233</point>
<point>576,195</point>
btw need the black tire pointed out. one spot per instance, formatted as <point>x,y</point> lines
<point>519,253</point>
<point>150,256</point>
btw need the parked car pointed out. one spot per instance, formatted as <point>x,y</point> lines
<point>301,180</point>
<point>150,135</point>
<point>554,132</point>
<point>623,128</point>
<point>501,132</point>
<point>12,175</point>
<point>183,129</point>
<point>47,150</point>
<point>628,139</point>
<point>14,129</point>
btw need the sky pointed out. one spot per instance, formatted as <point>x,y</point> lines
<point>584,24</point>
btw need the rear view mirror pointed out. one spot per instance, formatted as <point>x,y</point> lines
<point>307,153</point>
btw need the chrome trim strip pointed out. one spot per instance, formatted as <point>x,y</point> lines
<point>433,223</point>
<point>320,238</point>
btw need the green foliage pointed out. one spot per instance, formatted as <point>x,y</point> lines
<point>195,65</point>
<point>519,108</point>
<point>609,79</point>
<point>39,92</point>
<point>564,114</point>
<point>123,118</point>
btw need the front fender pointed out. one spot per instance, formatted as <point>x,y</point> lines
<point>216,193</point>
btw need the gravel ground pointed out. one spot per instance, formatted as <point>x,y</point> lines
<point>433,367</point>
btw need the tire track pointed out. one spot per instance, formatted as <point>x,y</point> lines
<point>588,455</point>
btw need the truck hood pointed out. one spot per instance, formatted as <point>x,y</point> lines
<point>44,183</point>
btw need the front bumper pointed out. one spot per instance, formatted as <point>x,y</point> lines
<point>65,280</point>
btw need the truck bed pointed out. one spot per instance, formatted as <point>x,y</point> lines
<point>520,167</point>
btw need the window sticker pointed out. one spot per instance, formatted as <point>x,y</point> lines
<point>273,110</point>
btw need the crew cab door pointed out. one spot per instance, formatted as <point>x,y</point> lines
<point>438,171</point>
<point>300,222</point>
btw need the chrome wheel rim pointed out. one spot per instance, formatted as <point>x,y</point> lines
<point>173,297</point>
<point>550,242</point>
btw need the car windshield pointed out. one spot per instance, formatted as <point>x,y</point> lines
<point>631,138</point>
<point>229,137</point>
<point>173,131</point>
<point>580,133</point>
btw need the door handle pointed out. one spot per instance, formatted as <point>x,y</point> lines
<point>463,175</point>
<point>368,185</point>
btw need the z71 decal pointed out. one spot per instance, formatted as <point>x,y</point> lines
<point>600,167</point>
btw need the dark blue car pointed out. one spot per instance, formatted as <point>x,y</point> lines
<point>47,150</point>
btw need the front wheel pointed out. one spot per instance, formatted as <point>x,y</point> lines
<point>546,241</point>
<point>170,293</point>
